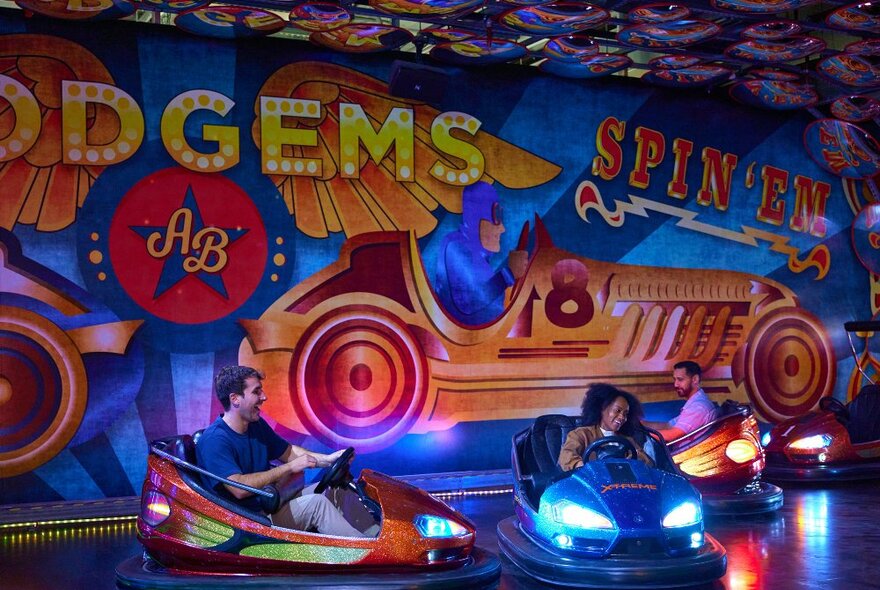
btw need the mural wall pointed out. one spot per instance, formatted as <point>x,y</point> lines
<point>416,280</point>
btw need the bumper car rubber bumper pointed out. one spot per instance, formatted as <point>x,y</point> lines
<point>610,572</point>
<point>766,498</point>
<point>481,571</point>
<point>830,472</point>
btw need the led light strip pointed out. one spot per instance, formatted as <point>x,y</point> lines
<point>66,521</point>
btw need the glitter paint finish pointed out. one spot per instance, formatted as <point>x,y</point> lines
<point>201,536</point>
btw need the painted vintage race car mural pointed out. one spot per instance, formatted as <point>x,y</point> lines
<point>362,353</point>
<point>61,352</point>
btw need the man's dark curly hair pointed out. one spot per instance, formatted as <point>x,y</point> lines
<point>231,380</point>
<point>601,395</point>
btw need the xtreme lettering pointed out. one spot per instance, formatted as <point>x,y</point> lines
<point>627,486</point>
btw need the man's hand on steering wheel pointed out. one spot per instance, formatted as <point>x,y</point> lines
<point>338,474</point>
<point>329,459</point>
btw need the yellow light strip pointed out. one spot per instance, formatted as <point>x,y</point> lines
<point>67,521</point>
<point>465,493</point>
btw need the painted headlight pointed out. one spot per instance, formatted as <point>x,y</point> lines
<point>818,441</point>
<point>684,514</point>
<point>434,526</point>
<point>741,450</point>
<point>571,514</point>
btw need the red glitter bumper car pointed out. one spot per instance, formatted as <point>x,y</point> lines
<point>840,441</point>
<point>194,538</point>
<point>724,460</point>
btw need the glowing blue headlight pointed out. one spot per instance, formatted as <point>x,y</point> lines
<point>571,514</point>
<point>765,439</point>
<point>818,441</point>
<point>684,514</point>
<point>434,526</point>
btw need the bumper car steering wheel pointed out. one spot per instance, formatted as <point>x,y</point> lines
<point>616,447</point>
<point>338,474</point>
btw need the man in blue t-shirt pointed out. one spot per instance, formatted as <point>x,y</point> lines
<point>239,445</point>
<point>698,410</point>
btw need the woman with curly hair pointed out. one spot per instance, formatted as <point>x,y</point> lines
<point>606,411</point>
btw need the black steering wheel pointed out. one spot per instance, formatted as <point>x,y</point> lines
<point>835,406</point>
<point>338,474</point>
<point>608,447</point>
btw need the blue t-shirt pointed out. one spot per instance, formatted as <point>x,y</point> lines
<point>224,452</point>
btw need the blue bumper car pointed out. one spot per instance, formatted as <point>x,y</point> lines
<point>615,522</point>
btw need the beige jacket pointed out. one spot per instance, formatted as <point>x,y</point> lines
<point>577,441</point>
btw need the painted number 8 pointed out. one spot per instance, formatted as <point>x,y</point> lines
<point>568,304</point>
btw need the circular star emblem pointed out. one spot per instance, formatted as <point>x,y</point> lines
<point>188,248</point>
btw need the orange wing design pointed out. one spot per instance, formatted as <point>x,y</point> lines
<point>38,188</point>
<point>376,201</point>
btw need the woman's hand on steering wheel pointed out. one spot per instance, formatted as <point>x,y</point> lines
<point>610,446</point>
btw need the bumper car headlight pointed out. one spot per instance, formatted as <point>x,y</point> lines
<point>766,438</point>
<point>684,514</point>
<point>571,514</point>
<point>432,527</point>
<point>818,441</point>
<point>741,451</point>
<point>155,508</point>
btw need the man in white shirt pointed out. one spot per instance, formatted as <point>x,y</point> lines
<point>698,409</point>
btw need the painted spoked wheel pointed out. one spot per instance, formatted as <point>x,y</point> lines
<point>789,365</point>
<point>43,390</point>
<point>359,379</point>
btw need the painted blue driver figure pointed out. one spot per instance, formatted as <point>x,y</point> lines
<point>470,288</point>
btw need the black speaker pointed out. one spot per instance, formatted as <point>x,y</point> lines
<point>416,81</point>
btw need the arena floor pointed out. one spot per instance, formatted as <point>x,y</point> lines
<point>824,537</point>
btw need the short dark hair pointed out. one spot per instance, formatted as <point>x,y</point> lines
<point>231,380</point>
<point>601,395</point>
<point>690,367</point>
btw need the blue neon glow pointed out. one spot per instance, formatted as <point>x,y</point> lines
<point>432,527</point>
<point>563,540</point>
<point>571,514</point>
<point>685,514</point>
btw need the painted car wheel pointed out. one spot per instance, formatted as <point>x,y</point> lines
<point>789,365</point>
<point>359,379</point>
<point>43,391</point>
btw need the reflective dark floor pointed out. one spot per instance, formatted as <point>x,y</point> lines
<point>823,538</point>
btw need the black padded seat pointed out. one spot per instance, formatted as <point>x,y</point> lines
<point>184,448</point>
<point>537,452</point>
<point>864,415</point>
<point>547,436</point>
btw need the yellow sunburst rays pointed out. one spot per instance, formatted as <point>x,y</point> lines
<point>326,201</point>
<point>38,187</point>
